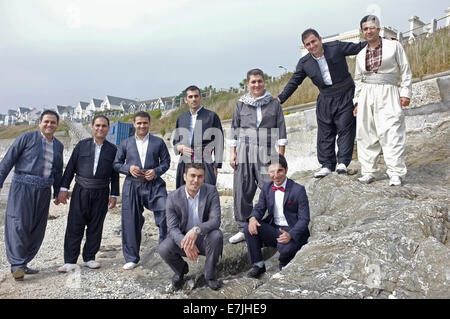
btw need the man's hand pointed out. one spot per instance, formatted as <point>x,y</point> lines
<point>183,149</point>
<point>404,101</point>
<point>112,202</point>
<point>284,238</point>
<point>233,158</point>
<point>62,198</point>
<point>216,172</point>
<point>188,245</point>
<point>253,226</point>
<point>135,171</point>
<point>276,98</point>
<point>355,110</point>
<point>150,174</point>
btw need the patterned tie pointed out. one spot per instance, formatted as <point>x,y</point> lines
<point>274,188</point>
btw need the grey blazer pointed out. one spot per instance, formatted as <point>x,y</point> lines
<point>177,212</point>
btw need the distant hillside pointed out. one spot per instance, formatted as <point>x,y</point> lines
<point>14,131</point>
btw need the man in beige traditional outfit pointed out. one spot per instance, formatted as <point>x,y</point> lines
<point>379,99</point>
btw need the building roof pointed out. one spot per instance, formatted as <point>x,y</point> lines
<point>114,100</point>
<point>83,105</point>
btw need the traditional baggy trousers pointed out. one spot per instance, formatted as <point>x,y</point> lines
<point>88,208</point>
<point>135,196</point>
<point>250,173</point>
<point>26,218</point>
<point>381,126</point>
<point>335,117</point>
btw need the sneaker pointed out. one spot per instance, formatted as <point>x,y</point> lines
<point>323,172</point>
<point>92,264</point>
<point>256,271</point>
<point>395,181</point>
<point>67,268</point>
<point>129,266</point>
<point>341,169</point>
<point>237,238</point>
<point>366,178</point>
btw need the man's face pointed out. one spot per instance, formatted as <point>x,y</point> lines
<point>194,179</point>
<point>100,128</point>
<point>314,45</point>
<point>370,30</point>
<point>142,125</point>
<point>256,85</point>
<point>48,124</point>
<point>193,99</point>
<point>277,173</point>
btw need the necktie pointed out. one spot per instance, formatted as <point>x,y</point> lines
<point>274,188</point>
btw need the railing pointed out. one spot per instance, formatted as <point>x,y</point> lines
<point>410,35</point>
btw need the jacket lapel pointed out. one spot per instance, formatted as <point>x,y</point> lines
<point>201,203</point>
<point>286,193</point>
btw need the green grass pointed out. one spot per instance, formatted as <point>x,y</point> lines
<point>14,131</point>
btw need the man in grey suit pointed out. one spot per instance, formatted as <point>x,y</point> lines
<point>193,221</point>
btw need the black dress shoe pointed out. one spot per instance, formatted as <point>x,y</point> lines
<point>18,274</point>
<point>30,271</point>
<point>256,271</point>
<point>214,284</point>
<point>178,280</point>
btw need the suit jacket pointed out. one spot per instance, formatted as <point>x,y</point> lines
<point>204,137</point>
<point>158,157</point>
<point>177,211</point>
<point>394,61</point>
<point>295,208</point>
<point>27,156</point>
<point>335,53</point>
<point>81,162</point>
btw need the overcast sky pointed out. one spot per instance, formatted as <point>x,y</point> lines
<point>65,51</point>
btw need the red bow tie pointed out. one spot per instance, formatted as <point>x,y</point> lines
<point>274,188</point>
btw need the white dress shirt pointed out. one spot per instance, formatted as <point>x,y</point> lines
<point>323,66</point>
<point>98,149</point>
<point>278,213</point>
<point>193,219</point>
<point>192,126</point>
<point>142,145</point>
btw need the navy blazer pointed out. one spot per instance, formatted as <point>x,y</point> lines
<point>335,53</point>
<point>203,136</point>
<point>158,157</point>
<point>295,209</point>
<point>82,160</point>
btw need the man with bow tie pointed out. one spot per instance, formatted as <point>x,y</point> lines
<point>286,225</point>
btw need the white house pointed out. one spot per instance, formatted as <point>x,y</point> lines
<point>95,105</point>
<point>113,103</point>
<point>80,110</point>
<point>11,117</point>
<point>22,114</point>
<point>65,112</point>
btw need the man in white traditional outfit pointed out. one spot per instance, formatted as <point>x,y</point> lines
<point>379,99</point>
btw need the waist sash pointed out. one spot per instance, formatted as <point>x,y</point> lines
<point>38,181</point>
<point>338,88</point>
<point>91,183</point>
<point>380,78</point>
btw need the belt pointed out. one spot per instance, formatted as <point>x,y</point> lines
<point>380,78</point>
<point>91,183</point>
<point>338,88</point>
<point>40,182</point>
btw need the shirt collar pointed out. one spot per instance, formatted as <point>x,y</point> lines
<point>45,139</point>
<point>282,185</point>
<point>96,145</point>
<point>321,57</point>
<point>143,140</point>
<point>196,112</point>
<point>189,196</point>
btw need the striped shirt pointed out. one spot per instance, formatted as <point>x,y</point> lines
<point>374,57</point>
<point>48,157</point>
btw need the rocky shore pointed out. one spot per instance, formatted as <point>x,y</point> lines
<point>367,241</point>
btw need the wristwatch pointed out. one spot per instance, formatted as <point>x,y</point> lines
<point>197,230</point>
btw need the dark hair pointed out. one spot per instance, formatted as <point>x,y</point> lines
<point>194,165</point>
<point>278,159</point>
<point>255,72</point>
<point>192,88</point>
<point>141,114</point>
<point>49,112</point>
<point>308,32</point>
<point>100,116</point>
<point>370,17</point>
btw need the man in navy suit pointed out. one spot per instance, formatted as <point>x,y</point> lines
<point>143,158</point>
<point>285,227</point>
<point>325,64</point>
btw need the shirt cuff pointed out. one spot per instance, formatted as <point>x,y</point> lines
<point>234,143</point>
<point>115,196</point>
<point>63,189</point>
<point>282,141</point>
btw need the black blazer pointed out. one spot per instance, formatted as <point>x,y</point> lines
<point>81,162</point>
<point>295,209</point>
<point>335,53</point>
<point>211,140</point>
